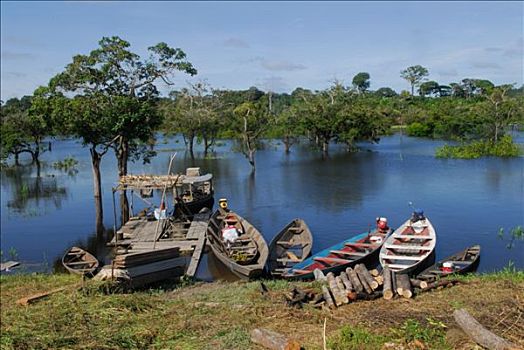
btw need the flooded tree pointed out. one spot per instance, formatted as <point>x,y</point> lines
<point>113,100</point>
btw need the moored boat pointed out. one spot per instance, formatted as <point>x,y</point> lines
<point>411,247</point>
<point>290,246</point>
<point>78,261</point>
<point>462,262</point>
<point>237,244</point>
<point>360,249</point>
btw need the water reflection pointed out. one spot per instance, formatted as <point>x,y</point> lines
<point>30,196</point>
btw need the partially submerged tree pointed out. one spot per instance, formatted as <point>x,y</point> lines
<point>113,90</point>
<point>251,120</point>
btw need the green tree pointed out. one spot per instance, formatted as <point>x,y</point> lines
<point>429,88</point>
<point>361,82</point>
<point>414,75</point>
<point>114,93</point>
<point>251,121</point>
<point>385,92</point>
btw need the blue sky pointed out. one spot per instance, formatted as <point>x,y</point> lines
<point>273,45</point>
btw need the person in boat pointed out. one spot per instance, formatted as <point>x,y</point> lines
<point>418,215</point>
<point>382,225</point>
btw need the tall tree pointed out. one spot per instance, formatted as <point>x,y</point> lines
<point>361,82</point>
<point>252,120</point>
<point>414,75</point>
<point>114,90</point>
<point>429,88</point>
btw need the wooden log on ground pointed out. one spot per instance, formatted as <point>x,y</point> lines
<point>403,285</point>
<point>346,281</point>
<point>363,280</point>
<point>319,275</point>
<point>38,296</point>
<point>379,279</point>
<point>441,283</point>
<point>340,284</point>
<point>355,282</point>
<point>365,273</point>
<point>328,297</point>
<point>273,340</point>
<point>338,295</point>
<point>479,334</point>
<point>398,283</point>
<point>374,272</point>
<point>387,289</point>
<point>418,283</point>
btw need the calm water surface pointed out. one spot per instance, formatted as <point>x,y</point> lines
<point>468,201</point>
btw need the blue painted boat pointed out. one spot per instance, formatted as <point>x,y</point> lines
<point>360,249</point>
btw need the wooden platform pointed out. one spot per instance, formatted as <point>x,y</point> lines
<point>141,236</point>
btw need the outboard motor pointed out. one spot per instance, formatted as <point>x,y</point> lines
<point>418,214</point>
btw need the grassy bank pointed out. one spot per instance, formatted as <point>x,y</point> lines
<point>220,315</point>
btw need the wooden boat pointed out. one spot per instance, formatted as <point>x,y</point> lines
<point>193,193</point>
<point>80,262</point>
<point>290,246</point>
<point>246,257</point>
<point>360,249</point>
<point>461,263</point>
<point>411,247</point>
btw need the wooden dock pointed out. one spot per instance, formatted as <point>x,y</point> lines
<point>143,237</point>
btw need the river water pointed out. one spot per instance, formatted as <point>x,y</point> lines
<point>468,201</point>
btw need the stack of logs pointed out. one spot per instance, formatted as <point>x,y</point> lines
<point>359,283</point>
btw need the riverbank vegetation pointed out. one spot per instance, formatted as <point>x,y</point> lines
<point>220,315</point>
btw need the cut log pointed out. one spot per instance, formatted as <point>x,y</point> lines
<point>319,275</point>
<point>387,289</point>
<point>404,286</point>
<point>273,340</point>
<point>374,272</point>
<point>340,284</point>
<point>346,281</point>
<point>398,283</point>
<point>379,279</point>
<point>339,296</point>
<point>328,297</point>
<point>407,291</point>
<point>418,283</point>
<point>355,282</point>
<point>363,280</point>
<point>479,334</point>
<point>369,279</point>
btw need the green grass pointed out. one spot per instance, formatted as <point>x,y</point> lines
<point>221,315</point>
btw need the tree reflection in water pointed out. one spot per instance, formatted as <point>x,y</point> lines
<point>30,195</point>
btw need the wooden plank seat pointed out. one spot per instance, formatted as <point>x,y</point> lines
<point>80,263</point>
<point>295,229</point>
<point>412,236</point>
<point>407,247</point>
<point>401,257</point>
<point>292,244</point>
<point>344,252</point>
<point>300,272</point>
<point>398,266</point>
<point>331,260</point>
<point>360,245</point>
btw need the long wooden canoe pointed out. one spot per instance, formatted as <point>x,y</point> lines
<point>246,257</point>
<point>360,249</point>
<point>410,248</point>
<point>290,246</point>
<point>78,261</point>
<point>462,262</point>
